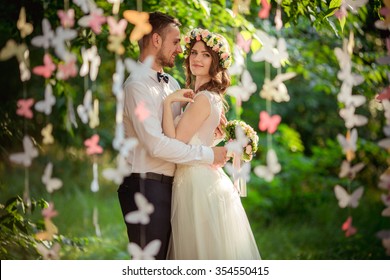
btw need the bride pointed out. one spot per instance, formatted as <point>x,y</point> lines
<point>207,217</point>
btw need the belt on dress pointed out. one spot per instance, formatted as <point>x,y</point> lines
<point>153,176</point>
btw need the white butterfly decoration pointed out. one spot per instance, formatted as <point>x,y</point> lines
<point>148,253</point>
<point>51,184</point>
<point>115,6</point>
<point>62,35</point>
<point>49,101</point>
<point>273,167</point>
<point>273,51</point>
<point>350,171</point>
<point>90,55</point>
<point>29,153</point>
<point>49,253</point>
<point>345,63</point>
<point>144,210</point>
<point>85,5</point>
<point>348,143</point>
<point>235,147</point>
<point>21,53</point>
<point>84,109</point>
<point>139,69</point>
<point>94,120</point>
<point>239,62</point>
<point>245,89</point>
<point>122,170</point>
<point>353,5</point>
<point>345,96</point>
<point>118,79</point>
<point>95,180</point>
<point>44,40</point>
<point>242,173</point>
<point>46,133</point>
<point>347,200</point>
<point>351,119</point>
<point>276,90</point>
<point>384,143</point>
<point>384,181</point>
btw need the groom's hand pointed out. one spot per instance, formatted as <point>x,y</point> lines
<point>220,156</point>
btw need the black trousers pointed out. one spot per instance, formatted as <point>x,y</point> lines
<point>159,227</point>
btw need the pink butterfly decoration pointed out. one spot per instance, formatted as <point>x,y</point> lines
<point>24,108</point>
<point>265,10</point>
<point>66,18</point>
<point>49,212</point>
<point>93,146</point>
<point>94,20</point>
<point>117,27</point>
<point>245,45</point>
<point>385,94</point>
<point>141,111</point>
<point>67,70</point>
<point>269,123</point>
<point>46,69</point>
<point>348,228</point>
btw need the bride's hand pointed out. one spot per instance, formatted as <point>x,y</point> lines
<point>181,95</point>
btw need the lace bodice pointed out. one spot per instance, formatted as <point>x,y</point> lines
<point>205,134</point>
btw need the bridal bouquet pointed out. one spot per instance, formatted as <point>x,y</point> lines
<point>245,139</point>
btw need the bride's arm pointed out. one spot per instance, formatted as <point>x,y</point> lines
<point>191,119</point>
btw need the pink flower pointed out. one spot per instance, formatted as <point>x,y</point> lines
<point>248,149</point>
<point>187,40</point>
<point>224,55</point>
<point>197,37</point>
<point>205,33</point>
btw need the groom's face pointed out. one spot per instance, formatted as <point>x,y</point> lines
<point>170,47</point>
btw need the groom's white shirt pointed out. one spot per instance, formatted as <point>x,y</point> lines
<point>155,152</point>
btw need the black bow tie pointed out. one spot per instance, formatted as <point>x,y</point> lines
<point>162,76</point>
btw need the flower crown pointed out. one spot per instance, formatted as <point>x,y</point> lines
<point>215,41</point>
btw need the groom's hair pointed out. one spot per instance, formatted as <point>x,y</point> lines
<point>159,22</point>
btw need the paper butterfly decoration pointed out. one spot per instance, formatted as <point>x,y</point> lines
<point>84,109</point>
<point>94,115</point>
<point>67,69</point>
<point>117,28</point>
<point>127,145</point>
<point>95,180</point>
<point>386,212</point>
<point>265,9</point>
<point>345,63</point>
<point>243,172</point>
<point>278,19</point>
<point>115,44</point>
<point>350,171</point>
<point>24,108</point>
<point>22,55</point>
<point>46,133</point>
<point>385,94</point>
<point>66,18</point>
<point>24,27</point>
<point>273,167</point>
<point>95,221</point>
<point>273,51</point>
<point>118,79</point>
<point>244,44</point>
<point>348,143</point>
<point>122,170</point>
<point>351,119</point>
<point>44,40</point>
<point>49,253</point>
<point>235,147</point>
<point>52,184</point>
<point>29,153</point>
<point>92,145</point>
<point>386,199</point>
<point>46,69</point>
<point>345,96</point>
<point>239,62</point>
<point>139,69</point>
<point>115,6</point>
<point>245,89</point>
<point>49,211</point>
<point>269,123</point>
<point>141,111</point>
<point>49,101</point>
<point>148,253</point>
<point>144,210</point>
<point>352,5</point>
<point>90,55</point>
<point>385,59</point>
<point>276,90</point>
<point>347,200</point>
<point>117,35</point>
<point>85,5</point>
<point>62,35</point>
<point>241,6</point>
<point>385,11</point>
<point>49,232</point>
<point>384,180</point>
<point>348,228</point>
<point>94,20</point>
<point>141,22</point>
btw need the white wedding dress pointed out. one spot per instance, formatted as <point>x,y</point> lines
<point>208,219</point>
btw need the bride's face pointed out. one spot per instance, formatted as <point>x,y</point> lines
<point>200,60</point>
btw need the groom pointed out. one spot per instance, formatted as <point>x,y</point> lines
<point>153,160</point>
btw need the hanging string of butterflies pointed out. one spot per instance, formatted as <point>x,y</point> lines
<point>273,52</point>
<point>383,98</point>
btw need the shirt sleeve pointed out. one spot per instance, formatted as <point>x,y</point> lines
<point>139,100</point>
